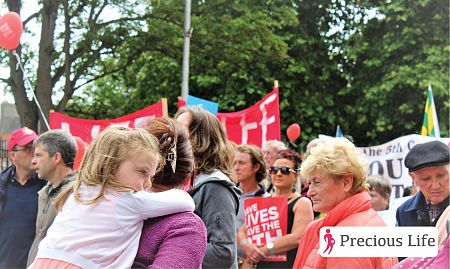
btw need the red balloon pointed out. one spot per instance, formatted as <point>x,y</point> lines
<point>82,145</point>
<point>11,29</point>
<point>293,131</point>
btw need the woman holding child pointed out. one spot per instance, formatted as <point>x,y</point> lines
<point>101,217</point>
<point>177,240</point>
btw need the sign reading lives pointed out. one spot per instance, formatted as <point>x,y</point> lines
<point>266,220</point>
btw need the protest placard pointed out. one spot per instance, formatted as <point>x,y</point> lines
<point>266,220</point>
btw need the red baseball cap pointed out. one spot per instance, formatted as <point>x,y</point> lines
<point>21,137</point>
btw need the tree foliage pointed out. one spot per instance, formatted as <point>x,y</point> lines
<point>364,65</point>
<point>76,40</point>
<point>389,64</point>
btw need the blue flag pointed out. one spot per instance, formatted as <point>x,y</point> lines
<point>195,102</point>
<point>339,132</point>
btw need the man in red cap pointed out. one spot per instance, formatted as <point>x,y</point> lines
<point>19,185</point>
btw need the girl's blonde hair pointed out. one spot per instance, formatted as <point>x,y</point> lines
<point>103,157</point>
<point>338,158</point>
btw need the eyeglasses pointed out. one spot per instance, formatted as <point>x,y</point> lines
<point>25,149</point>
<point>284,170</point>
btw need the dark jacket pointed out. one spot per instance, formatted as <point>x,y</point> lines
<point>18,210</point>
<point>414,211</point>
<point>216,201</point>
<point>5,177</point>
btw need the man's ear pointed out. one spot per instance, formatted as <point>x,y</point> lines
<point>12,155</point>
<point>58,158</point>
<point>348,183</point>
<point>256,167</point>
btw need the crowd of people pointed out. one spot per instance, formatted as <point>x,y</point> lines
<point>172,195</point>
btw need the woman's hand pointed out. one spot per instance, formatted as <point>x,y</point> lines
<point>264,250</point>
<point>252,253</point>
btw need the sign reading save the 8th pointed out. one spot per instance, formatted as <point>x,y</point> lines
<point>266,220</point>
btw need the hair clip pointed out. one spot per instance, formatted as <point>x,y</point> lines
<point>172,157</point>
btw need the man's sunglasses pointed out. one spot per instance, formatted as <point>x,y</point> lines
<point>25,149</point>
<point>284,170</point>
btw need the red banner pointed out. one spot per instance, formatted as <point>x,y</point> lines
<point>266,220</point>
<point>254,125</point>
<point>89,129</point>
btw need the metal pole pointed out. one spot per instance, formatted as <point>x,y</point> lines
<point>187,40</point>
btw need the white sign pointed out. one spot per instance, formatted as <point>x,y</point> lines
<point>388,160</point>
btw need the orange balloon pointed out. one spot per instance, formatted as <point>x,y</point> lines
<point>293,131</point>
<point>11,28</point>
<point>82,145</point>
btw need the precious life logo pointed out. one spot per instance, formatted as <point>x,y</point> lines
<point>378,242</point>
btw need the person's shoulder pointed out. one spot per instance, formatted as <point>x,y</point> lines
<point>44,190</point>
<point>182,220</point>
<point>189,218</point>
<point>398,202</point>
<point>6,173</point>
<point>364,218</point>
<point>412,203</point>
<point>218,188</point>
<point>299,200</point>
<point>216,176</point>
<point>213,182</point>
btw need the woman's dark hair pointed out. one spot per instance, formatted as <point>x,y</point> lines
<point>177,161</point>
<point>290,155</point>
<point>212,149</point>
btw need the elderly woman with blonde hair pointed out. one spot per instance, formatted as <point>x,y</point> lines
<point>336,172</point>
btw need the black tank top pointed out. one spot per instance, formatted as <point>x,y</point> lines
<point>291,253</point>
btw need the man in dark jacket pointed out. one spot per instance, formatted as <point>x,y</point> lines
<point>428,165</point>
<point>19,185</point>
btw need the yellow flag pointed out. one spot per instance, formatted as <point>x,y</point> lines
<point>430,125</point>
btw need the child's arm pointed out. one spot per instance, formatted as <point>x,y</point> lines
<point>155,204</point>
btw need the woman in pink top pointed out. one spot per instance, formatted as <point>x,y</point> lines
<point>177,240</point>
<point>336,171</point>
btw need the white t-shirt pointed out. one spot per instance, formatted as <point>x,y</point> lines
<point>106,234</point>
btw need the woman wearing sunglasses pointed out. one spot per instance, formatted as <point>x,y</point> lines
<point>284,174</point>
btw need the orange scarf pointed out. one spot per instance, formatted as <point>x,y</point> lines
<point>357,203</point>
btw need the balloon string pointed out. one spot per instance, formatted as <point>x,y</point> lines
<point>293,144</point>
<point>30,89</point>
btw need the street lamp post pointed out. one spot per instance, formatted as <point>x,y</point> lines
<point>187,40</point>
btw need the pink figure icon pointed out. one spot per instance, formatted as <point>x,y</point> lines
<point>330,241</point>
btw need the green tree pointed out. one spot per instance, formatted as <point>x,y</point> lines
<point>75,39</point>
<point>364,65</point>
<point>238,48</point>
<point>389,64</point>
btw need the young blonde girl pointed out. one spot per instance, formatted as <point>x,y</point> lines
<point>100,222</point>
